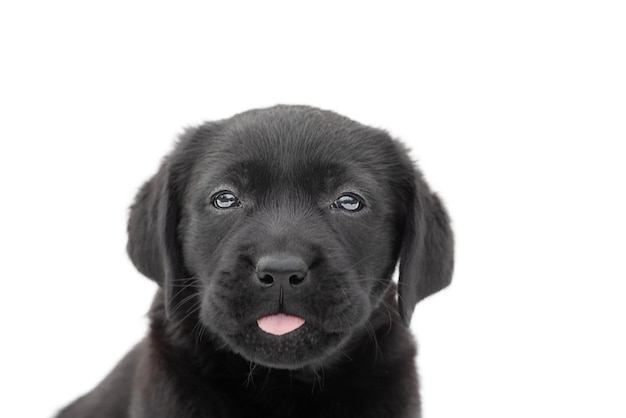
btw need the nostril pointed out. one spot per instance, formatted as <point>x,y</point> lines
<point>266,279</point>
<point>296,279</point>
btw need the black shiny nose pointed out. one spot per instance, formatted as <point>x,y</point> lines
<point>282,269</point>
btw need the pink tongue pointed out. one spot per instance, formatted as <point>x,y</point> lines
<point>280,324</point>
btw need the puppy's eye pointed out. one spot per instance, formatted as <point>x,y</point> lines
<point>348,202</point>
<point>226,200</point>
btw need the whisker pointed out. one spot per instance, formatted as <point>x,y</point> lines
<point>359,262</point>
<point>183,301</point>
<point>319,379</point>
<point>267,379</point>
<point>184,279</point>
<point>192,310</point>
<point>250,378</point>
<point>389,309</point>
<point>369,328</point>
<point>362,279</point>
<point>198,331</point>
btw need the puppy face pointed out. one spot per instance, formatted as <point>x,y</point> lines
<point>288,222</point>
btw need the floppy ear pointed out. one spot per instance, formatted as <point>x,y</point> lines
<point>153,244</point>
<point>427,253</point>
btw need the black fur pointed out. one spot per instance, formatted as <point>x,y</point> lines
<point>205,355</point>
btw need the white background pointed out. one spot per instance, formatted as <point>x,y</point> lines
<point>515,111</point>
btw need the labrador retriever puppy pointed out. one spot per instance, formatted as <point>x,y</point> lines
<point>273,236</point>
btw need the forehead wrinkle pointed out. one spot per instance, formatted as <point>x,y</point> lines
<point>258,176</point>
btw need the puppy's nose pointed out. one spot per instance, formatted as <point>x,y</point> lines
<point>282,269</point>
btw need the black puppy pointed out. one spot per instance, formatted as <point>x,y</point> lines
<point>273,236</point>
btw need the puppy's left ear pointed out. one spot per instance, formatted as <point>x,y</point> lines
<point>427,253</point>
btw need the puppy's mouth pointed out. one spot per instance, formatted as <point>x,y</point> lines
<point>280,324</point>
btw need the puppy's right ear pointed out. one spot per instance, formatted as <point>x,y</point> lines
<point>153,244</point>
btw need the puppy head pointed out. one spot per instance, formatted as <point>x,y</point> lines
<point>284,227</point>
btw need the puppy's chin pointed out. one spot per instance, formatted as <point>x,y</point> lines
<point>303,347</point>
